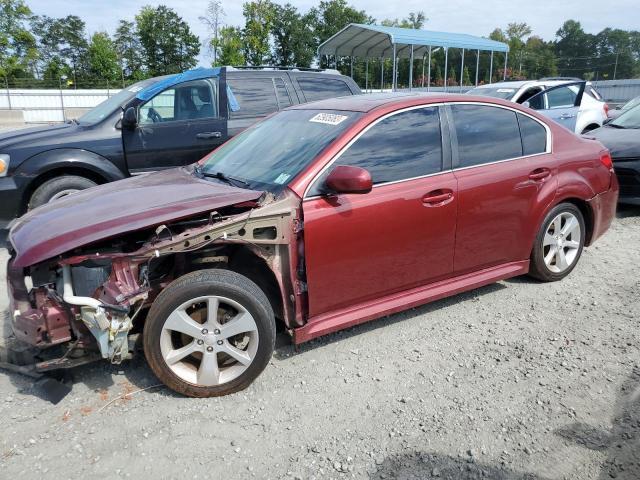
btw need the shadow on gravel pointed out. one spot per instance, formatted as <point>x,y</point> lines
<point>621,443</point>
<point>625,211</point>
<point>423,466</point>
<point>284,346</point>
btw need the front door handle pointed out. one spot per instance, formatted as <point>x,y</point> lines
<point>436,198</point>
<point>539,174</point>
<point>208,135</point>
<point>567,116</point>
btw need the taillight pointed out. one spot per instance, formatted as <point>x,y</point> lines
<point>606,110</point>
<point>605,159</point>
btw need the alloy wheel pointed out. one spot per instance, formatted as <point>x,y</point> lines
<point>561,242</point>
<point>209,340</point>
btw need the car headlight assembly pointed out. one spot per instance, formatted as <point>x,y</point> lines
<point>4,164</point>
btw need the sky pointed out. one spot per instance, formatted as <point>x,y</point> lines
<point>475,17</point>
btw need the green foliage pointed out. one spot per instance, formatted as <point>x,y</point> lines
<point>103,58</point>
<point>230,47</point>
<point>18,51</point>
<point>292,37</point>
<point>415,20</point>
<point>127,46</point>
<point>259,16</point>
<point>331,16</point>
<point>168,46</point>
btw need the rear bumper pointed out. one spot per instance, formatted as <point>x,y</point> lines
<point>603,206</point>
<point>628,173</point>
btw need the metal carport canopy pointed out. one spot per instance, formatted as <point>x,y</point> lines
<point>375,41</point>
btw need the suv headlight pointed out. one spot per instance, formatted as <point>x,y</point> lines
<point>4,164</point>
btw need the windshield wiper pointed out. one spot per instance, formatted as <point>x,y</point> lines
<point>233,181</point>
<point>615,125</point>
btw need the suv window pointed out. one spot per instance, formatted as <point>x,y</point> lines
<point>485,134</point>
<point>402,146</point>
<point>534,136</point>
<point>321,88</point>
<point>186,101</point>
<point>256,96</point>
<point>562,97</point>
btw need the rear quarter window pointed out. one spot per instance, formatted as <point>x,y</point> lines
<point>321,88</point>
<point>534,136</point>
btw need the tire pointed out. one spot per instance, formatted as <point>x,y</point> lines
<point>589,128</point>
<point>56,187</point>
<point>567,244</point>
<point>168,334</point>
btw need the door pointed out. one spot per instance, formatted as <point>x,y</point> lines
<point>176,127</point>
<point>560,103</point>
<point>359,248</point>
<point>505,174</point>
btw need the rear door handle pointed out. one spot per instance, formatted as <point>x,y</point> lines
<point>435,198</point>
<point>207,135</point>
<point>566,116</point>
<point>539,174</point>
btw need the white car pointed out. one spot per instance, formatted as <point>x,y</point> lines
<point>572,103</point>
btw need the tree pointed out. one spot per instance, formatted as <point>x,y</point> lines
<point>213,21</point>
<point>230,46</point>
<point>259,16</point>
<point>103,58</point>
<point>17,45</point>
<point>292,37</point>
<point>415,20</point>
<point>127,45</point>
<point>574,49</point>
<point>73,45</point>
<point>168,46</point>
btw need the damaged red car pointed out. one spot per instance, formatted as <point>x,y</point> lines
<point>321,217</point>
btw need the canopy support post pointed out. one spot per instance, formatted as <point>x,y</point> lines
<point>429,72</point>
<point>446,64</point>
<point>506,56</point>
<point>411,70</point>
<point>366,74</point>
<point>461,72</point>
<point>477,66</point>
<point>351,58</point>
<point>393,81</point>
<point>381,74</point>
<point>491,68</point>
<point>424,60</point>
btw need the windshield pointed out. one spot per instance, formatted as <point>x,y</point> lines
<point>107,107</point>
<point>628,119</point>
<point>630,104</point>
<point>502,92</point>
<point>270,154</point>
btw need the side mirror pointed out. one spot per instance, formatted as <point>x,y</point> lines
<point>345,179</point>
<point>526,104</point>
<point>130,118</point>
<point>607,120</point>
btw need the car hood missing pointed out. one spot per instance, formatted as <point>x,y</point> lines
<point>115,208</point>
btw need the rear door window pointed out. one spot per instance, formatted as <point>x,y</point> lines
<point>284,100</point>
<point>256,97</point>
<point>562,97</point>
<point>320,88</point>
<point>485,134</point>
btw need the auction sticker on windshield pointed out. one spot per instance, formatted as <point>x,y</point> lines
<point>328,118</point>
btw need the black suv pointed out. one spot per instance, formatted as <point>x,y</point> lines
<point>158,123</point>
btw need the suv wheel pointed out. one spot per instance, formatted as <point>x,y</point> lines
<point>559,243</point>
<point>59,187</point>
<point>209,333</point>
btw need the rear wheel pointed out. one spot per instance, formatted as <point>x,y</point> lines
<point>209,333</point>
<point>559,243</point>
<point>57,188</point>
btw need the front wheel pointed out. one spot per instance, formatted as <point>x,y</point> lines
<point>559,243</point>
<point>209,333</point>
<point>57,188</point>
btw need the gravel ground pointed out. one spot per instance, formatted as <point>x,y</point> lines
<point>517,380</point>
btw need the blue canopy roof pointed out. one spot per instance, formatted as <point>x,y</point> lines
<point>377,41</point>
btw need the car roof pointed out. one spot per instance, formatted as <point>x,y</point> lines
<point>367,102</point>
<point>515,85</point>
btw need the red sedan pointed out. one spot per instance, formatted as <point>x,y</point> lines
<point>321,217</point>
